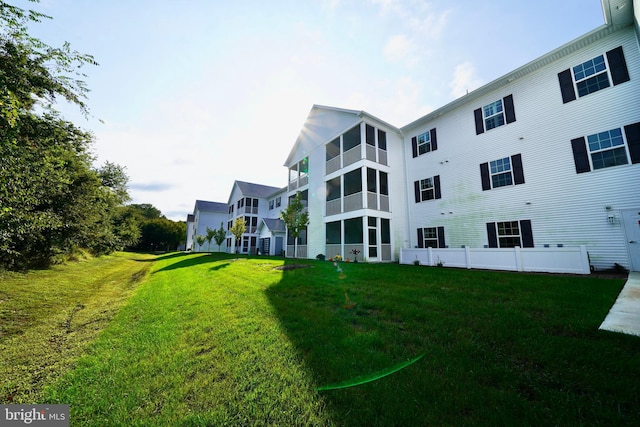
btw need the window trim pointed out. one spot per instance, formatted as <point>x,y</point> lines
<point>617,73</point>
<point>437,193</point>
<point>508,109</point>
<point>582,155</point>
<point>432,144</point>
<point>525,233</point>
<point>440,237</point>
<point>517,173</point>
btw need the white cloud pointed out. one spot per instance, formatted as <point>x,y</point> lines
<point>397,48</point>
<point>464,79</point>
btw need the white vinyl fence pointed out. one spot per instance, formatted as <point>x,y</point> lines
<point>569,259</point>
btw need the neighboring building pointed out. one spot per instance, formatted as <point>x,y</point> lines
<point>272,233</point>
<point>190,232</point>
<point>348,166</point>
<point>546,155</point>
<point>207,214</point>
<point>251,202</point>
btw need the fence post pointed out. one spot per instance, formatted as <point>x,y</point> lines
<point>518,258</point>
<point>467,256</point>
<point>584,260</point>
<point>430,256</point>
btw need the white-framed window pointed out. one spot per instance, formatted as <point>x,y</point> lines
<point>278,202</point>
<point>607,149</point>
<point>603,71</point>
<point>430,237</point>
<point>501,174</point>
<point>427,189</point>
<point>591,76</point>
<point>271,204</point>
<point>509,234</point>
<point>493,115</point>
<point>424,143</point>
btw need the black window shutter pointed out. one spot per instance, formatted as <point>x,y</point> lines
<point>434,139</point>
<point>618,65</point>
<point>518,171</point>
<point>492,235</point>
<point>580,155</point>
<point>566,86</point>
<point>420,238</point>
<point>484,174</point>
<point>416,187</point>
<point>414,146</point>
<point>527,233</point>
<point>633,140</point>
<point>436,187</point>
<point>441,242</point>
<point>479,123</point>
<point>509,111</point>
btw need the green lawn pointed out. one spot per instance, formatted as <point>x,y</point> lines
<point>221,340</point>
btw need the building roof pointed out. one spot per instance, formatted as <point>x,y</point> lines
<point>257,190</point>
<point>205,206</point>
<point>324,123</point>
<point>618,14</point>
<point>274,224</point>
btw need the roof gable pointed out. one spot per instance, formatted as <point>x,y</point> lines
<point>205,206</point>
<point>260,191</point>
<point>322,124</point>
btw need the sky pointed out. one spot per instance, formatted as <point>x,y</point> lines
<point>191,95</point>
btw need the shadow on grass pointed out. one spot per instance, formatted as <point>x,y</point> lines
<point>498,347</point>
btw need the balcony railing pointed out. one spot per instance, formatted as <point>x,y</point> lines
<point>384,203</point>
<point>371,153</point>
<point>382,157</point>
<point>353,202</point>
<point>334,207</point>
<point>301,251</point>
<point>332,165</point>
<point>352,156</point>
<point>372,200</point>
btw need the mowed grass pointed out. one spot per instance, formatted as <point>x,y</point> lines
<point>225,340</point>
<point>48,317</point>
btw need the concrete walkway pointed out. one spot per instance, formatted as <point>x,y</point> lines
<point>624,316</point>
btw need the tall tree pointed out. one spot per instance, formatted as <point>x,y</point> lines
<point>220,235</point>
<point>238,229</point>
<point>209,237</point>
<point>52,200</point>
<point>296,220</point>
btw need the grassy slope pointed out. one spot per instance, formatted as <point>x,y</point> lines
<point>215,340</point>
<point>48,317</point>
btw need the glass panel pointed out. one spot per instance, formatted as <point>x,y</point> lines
<point>501,180</point>
<point>373,238</point>
<point>382,140</point>
<point>351,138</point>
<point>384,185</point>
<point>605,159</point>
<point>371,180</point>
<point>589,68</point>
<point>385,231</point>
<point>333,149</point>
<point>370,135</point>
<point>593,84</point>
<point>334,233</point>
<point>353,230</point>
<point>372,221</point>
<point>353,182</point>
<point>304,166</point>
<point>333,189</point>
